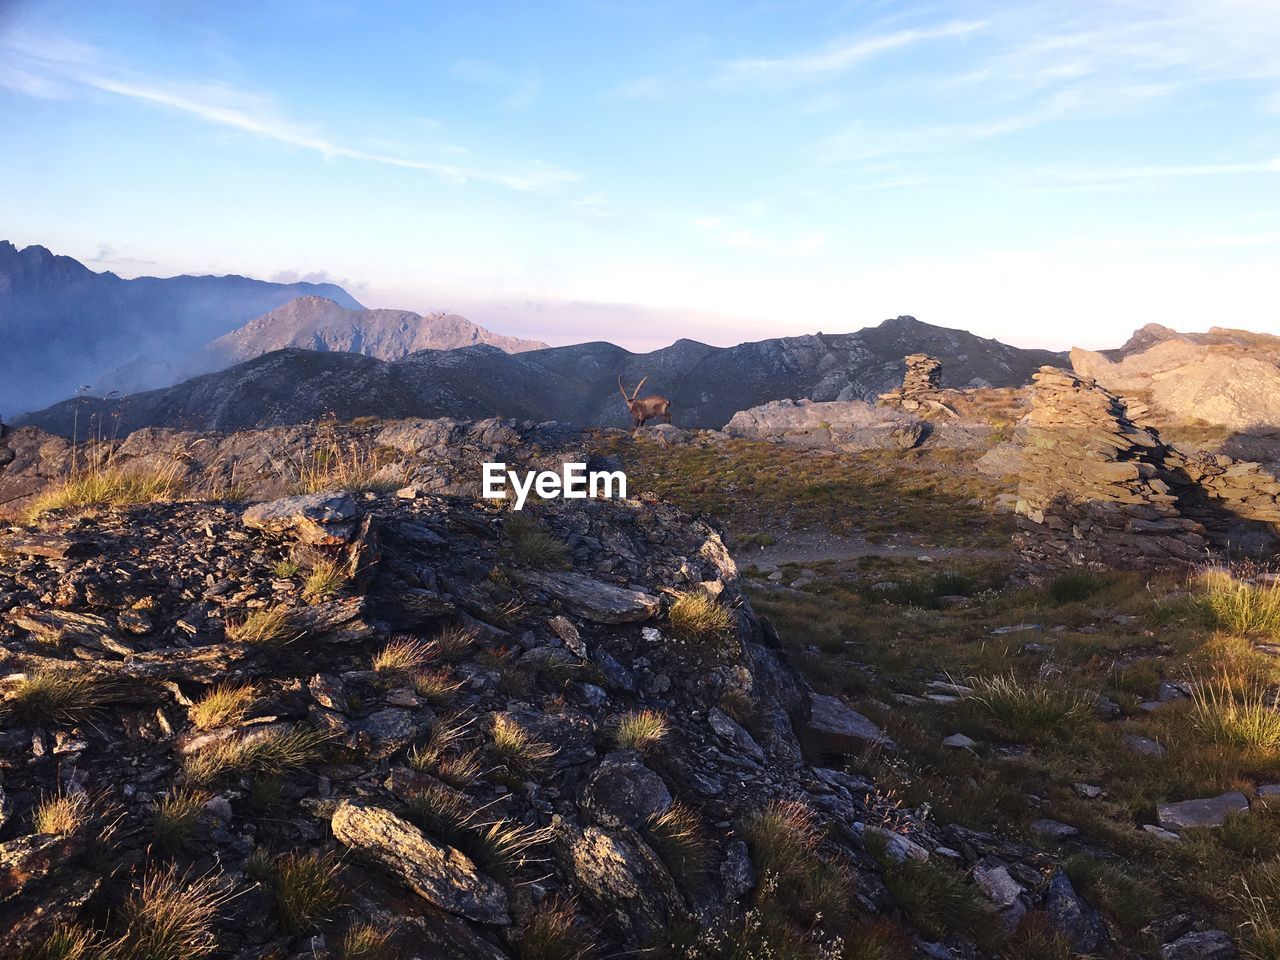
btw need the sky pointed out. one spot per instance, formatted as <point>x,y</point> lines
<point>1046,172</point>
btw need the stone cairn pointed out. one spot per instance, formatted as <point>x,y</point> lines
<point>1097,486</point>
<point>921,386</point>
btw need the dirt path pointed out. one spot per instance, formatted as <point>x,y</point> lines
<point>815,547</point>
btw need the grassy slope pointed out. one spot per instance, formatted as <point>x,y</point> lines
<point>876,630</point>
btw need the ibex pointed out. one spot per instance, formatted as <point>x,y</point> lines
<point>649,408</point>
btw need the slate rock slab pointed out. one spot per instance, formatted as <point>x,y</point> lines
<point>1073,917</point>
<point>314,518</point>
<point>834,727</point>
<point>1201,945</point>
<point>1204,812</point>
<point>440,875</point>
<point>593,599</point>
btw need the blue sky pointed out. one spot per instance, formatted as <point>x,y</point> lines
<point>1044,172</point>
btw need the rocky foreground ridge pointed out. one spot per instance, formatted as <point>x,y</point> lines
<point>424,713</point>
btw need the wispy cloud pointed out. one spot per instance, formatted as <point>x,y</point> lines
<point>69,68</point>
<point>520,89</point>
<point>843,56</point>
<point>1155,172</point>
<point>856,142</point>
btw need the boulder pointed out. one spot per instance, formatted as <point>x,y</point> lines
<point>440,875</point>
<point>321,519</point>
<point>1143,746</point>
<point>622,791</point>
<point>835,728</point>
<point>1204,812</point>
<point>623,878</point>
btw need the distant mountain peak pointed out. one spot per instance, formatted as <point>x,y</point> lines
<point>318,323</point>
<point>64,325</point>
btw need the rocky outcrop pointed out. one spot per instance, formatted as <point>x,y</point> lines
<point>1225,378</point>
<point>1089,486</point>
<point>1097,485</point>
<point>850,426</point>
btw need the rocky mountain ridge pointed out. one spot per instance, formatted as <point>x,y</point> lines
<point>576,384</point>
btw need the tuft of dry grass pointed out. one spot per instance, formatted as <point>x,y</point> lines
<point>1258,902</point>
<point>364,941</point>
<point>934,897</point>
<point>443,812</point>
<point>455,642</point>
<point>1228,709</point>
<point>224,704</point>
<point>443,755</point>
<point>67,941</point>
<point>680,840</point>
<point>325,579</point>
<point>640,729</point>
<point>1036,709</point>
<point>447,734</point>
<point>178,818</point>
<point>437,687</point>
<point>404,655</point>
<point>307,891</point>
<point>286,569</point>
<point>267,627</point>
<point>272,752</point>
<point>550,933</point>
<point>787,847</point>
<point>461,769</point>
<point>698,617</point>
<point>170,918</point>
<point>61,814</point>
<point>1240,607</point>
<point>110,485</point>
<point>532,543</point>
<point>513,745</point>
<point>503,847</point>
<point>59,697</point>
<point>334,466</point>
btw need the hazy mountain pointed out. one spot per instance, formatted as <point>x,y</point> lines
<point>63,326</point>
<point>316,323</point>
<point>706,384</point>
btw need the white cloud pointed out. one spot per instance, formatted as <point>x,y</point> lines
<point>70,65</point>
<point>840,57</point>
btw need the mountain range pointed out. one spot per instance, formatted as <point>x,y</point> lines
<point>65,326</point>
<point>576,384</point>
